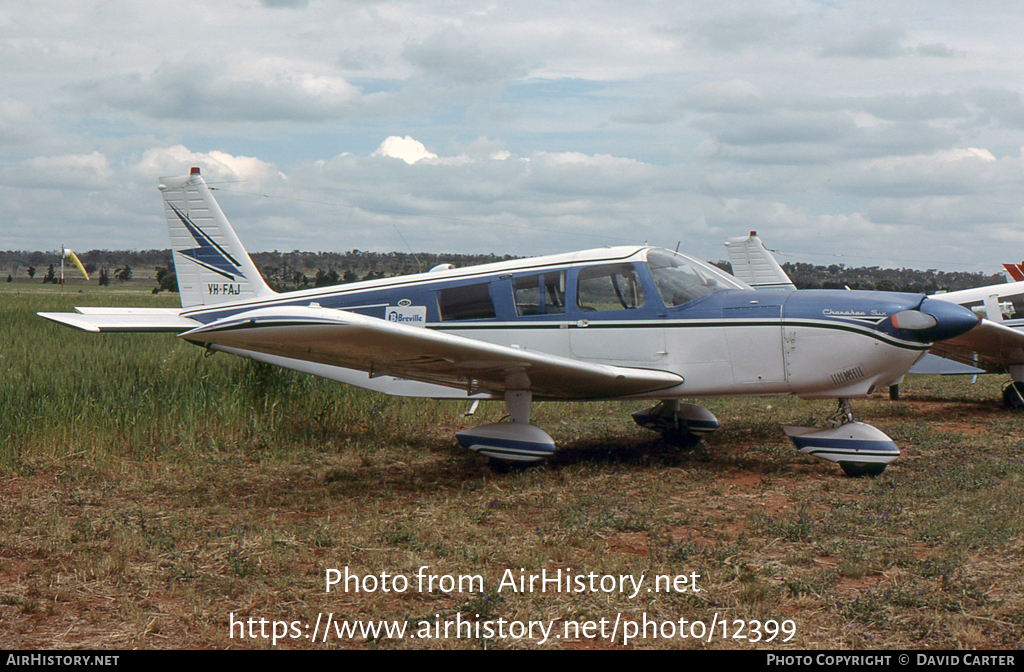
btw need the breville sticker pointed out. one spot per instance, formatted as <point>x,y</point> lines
<point>414,316</point>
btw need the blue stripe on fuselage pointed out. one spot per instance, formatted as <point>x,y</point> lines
<point>865,312</point>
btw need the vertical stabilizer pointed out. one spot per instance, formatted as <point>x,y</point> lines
<point>754,264</point>
<point>210,263</point>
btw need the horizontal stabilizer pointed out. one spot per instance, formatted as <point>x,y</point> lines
<point>124,319</point>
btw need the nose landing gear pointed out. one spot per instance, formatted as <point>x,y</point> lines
<point>859,448</point>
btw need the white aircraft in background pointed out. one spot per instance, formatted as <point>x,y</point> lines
<point>611,323</point>
<point>995,346</point>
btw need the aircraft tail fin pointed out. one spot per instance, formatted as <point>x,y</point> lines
<point>754,264</point>
<point>1015,272</point>
<point>210,263</point>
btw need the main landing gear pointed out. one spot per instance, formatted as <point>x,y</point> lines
<point>517,441</point>
<point>859,448</point>
<point>682,424</point>
<point>1013,392</point>
<point>1013,395</point>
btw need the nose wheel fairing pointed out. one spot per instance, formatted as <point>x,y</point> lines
<point>859,448</point>
<point>855,443</point>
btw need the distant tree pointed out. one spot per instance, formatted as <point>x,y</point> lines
<point>166,279</point>
<point>104,277</point>
<point>31,272</point>
<point>325,278</point>
<point>349,276</point>
<point>123,274</point>
<point>50,276</point>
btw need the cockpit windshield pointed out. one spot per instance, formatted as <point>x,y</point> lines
<point>681,279</point>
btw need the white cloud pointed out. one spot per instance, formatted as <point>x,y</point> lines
<point>215,166</point>
<point>737,95</point>
<point>407,149</point>
<point>69,171</point>
<point>955,172</point>
<point>450,56</point>
<point>248,89</point>
<point>882,40</point>
<point>969,153</point>
<point>288,4</point>
<point>740,29</point>
<point>937,49</point>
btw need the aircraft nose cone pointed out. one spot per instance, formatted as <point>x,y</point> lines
<point>951,319</point>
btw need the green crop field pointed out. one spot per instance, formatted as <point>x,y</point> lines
<point>152,497</point>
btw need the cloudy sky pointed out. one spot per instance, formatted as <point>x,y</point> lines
<point>843,132</point>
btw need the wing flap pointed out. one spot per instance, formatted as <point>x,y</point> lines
<point>990,345</point>
<point>95,319</point>
<point>379,347</point>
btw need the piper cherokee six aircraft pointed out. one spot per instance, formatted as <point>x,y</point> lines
<point>613,323</point>
<point>995,346</point>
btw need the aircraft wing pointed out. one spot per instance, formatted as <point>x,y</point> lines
<point>124,319</point>
<point>990,346</point>
<point>380,347</point>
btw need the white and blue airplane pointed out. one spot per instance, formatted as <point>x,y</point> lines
<point>611,323</point>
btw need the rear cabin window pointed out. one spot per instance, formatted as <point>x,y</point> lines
<point>469,302</point>
<point>542,294</point>
<point>611,287</point>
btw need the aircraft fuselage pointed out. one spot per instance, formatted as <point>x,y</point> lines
<point>616,306</point>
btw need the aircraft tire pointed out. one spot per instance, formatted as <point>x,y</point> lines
<point>1013,396</point>
<point>859,469</point>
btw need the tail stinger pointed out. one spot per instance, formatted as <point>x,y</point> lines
<point>210,262</point>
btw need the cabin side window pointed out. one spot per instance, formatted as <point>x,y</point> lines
<point>469,302</point>
<point>610,287</point>
<point>541,294</point>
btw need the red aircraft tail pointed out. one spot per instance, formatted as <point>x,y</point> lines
<point>1016,271</point>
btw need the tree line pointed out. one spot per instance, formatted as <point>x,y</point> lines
<point>287,271</point>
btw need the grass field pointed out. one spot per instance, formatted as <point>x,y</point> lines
<point>147,493</point>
